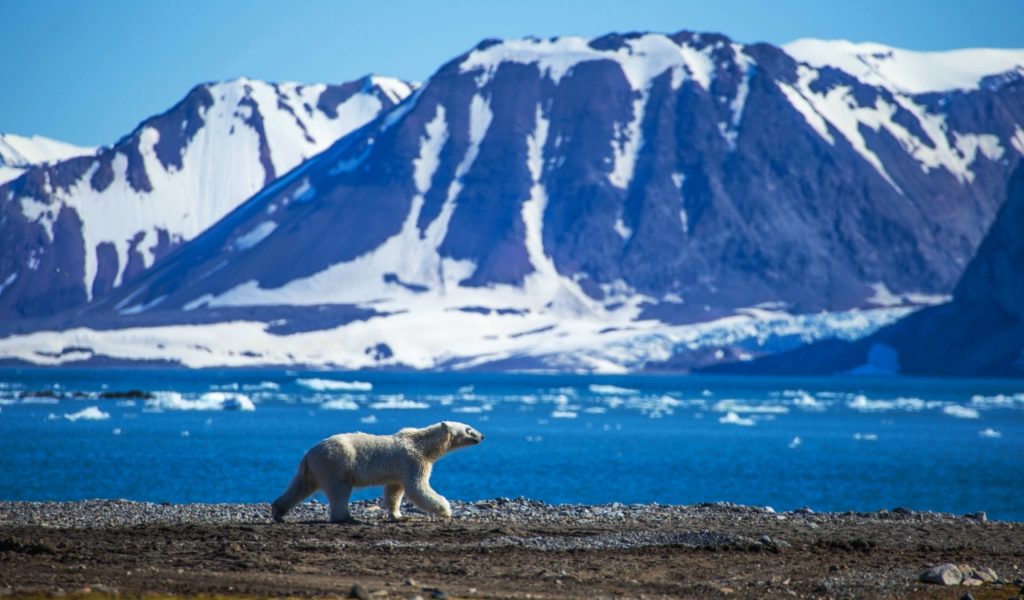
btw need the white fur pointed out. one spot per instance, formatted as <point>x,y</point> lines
<point>401,462</point>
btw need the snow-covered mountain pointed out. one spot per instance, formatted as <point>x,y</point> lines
<point>75,229</point>
<point>617,203</point>
<point>18,152</point>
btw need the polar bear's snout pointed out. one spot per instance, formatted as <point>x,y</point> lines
<point>474,436</point>
<point>464,435</point>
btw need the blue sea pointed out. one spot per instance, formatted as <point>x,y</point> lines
<point>832,444</point>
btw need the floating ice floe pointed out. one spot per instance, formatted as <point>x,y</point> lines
<point>92,413</point>
<point>864,404</point>
<point>340,404</point>
<point>737,406</point>
<point>323,385</point>
<point>611,389</point>
<point>563,414</point>
<point>397,402</point>
<point>614,402</point>
<point>654,407</point>
<point>998,401</point>
<point>368,419</point>
<point>803,400</point>
<point>38,400</point>
<point>472,409</point>
<point>731,418</point>
<point>208,401</point>
<point>988,432</point>
<point>866,437</point>
<point>960,412</point>
<point>796,441</point>
<point>116,431</point>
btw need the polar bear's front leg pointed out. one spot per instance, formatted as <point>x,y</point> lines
<point>393,493</point>
<point>338,494</point>
<point>419,491</point>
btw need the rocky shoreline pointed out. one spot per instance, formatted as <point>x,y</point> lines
<point>505,548</point>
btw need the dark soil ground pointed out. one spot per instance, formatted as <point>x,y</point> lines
<point>496,549</point>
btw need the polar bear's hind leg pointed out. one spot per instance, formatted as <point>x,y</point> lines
<point>338,494</point>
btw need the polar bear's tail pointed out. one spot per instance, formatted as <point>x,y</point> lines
<point>302,485</point>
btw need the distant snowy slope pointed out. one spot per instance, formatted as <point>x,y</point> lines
<point>82,226</point>
<point>18,152</point>
<point>906,70</point>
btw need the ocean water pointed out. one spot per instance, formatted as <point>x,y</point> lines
<point>237,436</point>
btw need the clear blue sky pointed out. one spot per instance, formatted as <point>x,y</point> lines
<point>88,71</point>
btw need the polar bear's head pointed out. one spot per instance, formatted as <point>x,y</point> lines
<point>462,435</point>
<point>441,438</point>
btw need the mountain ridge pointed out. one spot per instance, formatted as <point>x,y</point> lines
<point>603,203</point>
<point>18,152</point>
<point>176,173</point>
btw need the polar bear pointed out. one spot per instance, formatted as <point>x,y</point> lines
<point>401,462</point>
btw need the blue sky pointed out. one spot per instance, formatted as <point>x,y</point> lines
<point>88,71</point>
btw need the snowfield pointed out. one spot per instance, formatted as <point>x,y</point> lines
<point>444,339</point>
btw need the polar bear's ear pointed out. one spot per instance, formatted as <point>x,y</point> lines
<point>449,435</point>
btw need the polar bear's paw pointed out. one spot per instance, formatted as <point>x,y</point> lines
<point>276,514</point>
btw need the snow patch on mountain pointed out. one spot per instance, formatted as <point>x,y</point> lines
<point>533,208</point>
<point>884,297</point>
<point>425,165</point>
<point>838,109</point>
<point>642,58</point>
<point>254,236</point>
<point>907,71</point>
<point>396,89</point>
<point>1018,140</point>
<point>17,152</point>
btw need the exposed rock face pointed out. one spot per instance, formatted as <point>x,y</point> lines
<point>76,228</point>
<point>980,332</point>
<point>997,272</point>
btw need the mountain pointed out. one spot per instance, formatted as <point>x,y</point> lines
<point>78,227</point>
<point>18,152</point>
<point>624,202</point>
<point>980,332</point>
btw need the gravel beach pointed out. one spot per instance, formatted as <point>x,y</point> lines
<point>499,548</point>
